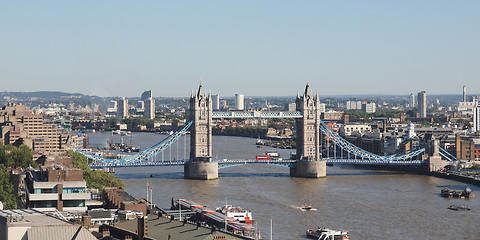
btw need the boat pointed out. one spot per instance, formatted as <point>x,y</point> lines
<point>236,213</point>
<point>327,234</point>
<point>459,208</point>
<point>450,193</point>
<point>308,208</point>
<point>259,142</point>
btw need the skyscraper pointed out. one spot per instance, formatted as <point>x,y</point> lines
<point>146,95</point>
<point>476,119</point>
<point>216,102</point>
<point>422,104</point>
<point>122,108</point>
<point>240,102</point>
<point>411,100</point>
<point>464,93</point>
<point>149,108</point>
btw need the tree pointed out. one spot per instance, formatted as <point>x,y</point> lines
<point>7,196</point>
<point>94,178</point>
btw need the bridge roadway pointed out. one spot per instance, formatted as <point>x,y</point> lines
<point>286,163</point>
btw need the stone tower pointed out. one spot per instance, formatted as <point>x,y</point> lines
<point>200,165</point>
<point>308,162</point>
<point>308,127</point>
<point>201,130</point>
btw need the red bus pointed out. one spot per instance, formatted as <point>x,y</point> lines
<point>262,157</point>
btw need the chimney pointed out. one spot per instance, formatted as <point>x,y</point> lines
<point>142,227</point>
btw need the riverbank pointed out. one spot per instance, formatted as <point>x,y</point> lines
<point>458,176</point>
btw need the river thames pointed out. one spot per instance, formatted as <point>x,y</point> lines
<point>369,204</point>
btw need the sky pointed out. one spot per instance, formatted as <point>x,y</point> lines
<point>256,48</point>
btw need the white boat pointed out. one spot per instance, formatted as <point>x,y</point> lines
<point>236,213</point>
<point>327,234</point>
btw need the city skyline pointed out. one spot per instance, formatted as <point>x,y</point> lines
<point>257,49</point>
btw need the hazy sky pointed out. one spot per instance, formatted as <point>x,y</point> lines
<point>121,48</point>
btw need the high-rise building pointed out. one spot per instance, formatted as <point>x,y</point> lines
<point>122,108</point>
<point>411,101</point>
<point>149,108</point>
<point>223,104</point>
<point>239,102</point>
<point>476,119</point>
<point>146,95</point>
<point>369,107</point>
<point>422,104</point>
<point>464,93</point>
<point>216,102</point>
<point>291,107</point>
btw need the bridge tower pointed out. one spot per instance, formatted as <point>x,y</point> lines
<point>435,161</point>
<point>200,165</point>
<point>309,164</point>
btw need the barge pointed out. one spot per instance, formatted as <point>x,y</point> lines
<point>450,193</point>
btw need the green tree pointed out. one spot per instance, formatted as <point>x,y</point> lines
<point>94,178</point>
<point>15,157</point>
<point>7,196</point>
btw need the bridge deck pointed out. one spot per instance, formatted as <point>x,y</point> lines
<point>225,163</point>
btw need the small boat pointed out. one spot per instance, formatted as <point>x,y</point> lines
<point>327,234</point>
<point>308,208</point>
<point>459,208</point>
<point>259,142</point>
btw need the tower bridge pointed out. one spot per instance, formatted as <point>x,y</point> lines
<point>311,132</point>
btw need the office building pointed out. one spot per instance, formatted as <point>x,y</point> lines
<point>216,102</point>
<point>56,188</point>
<point>122,108</point>
<point>239,102</point>
<point>223,104</point>
<point>18,125</point>
<point>149,108</point>
<point>422,104</point>
<point>464,93</point>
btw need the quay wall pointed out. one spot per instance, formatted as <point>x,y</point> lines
<point>457,177</point>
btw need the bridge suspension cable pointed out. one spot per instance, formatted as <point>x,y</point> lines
<point>350,148</point>
<point>145,154</point>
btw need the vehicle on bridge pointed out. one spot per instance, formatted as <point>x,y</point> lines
<point>263,157</point>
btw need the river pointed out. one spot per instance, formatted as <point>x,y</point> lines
<point>370,204</point>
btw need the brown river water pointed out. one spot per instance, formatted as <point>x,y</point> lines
<point>369,204</point>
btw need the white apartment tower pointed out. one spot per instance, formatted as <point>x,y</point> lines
<point>239,102</point>
<point>422,104</point>
<point>149,108</point>
<point>216,101</point>
<point>122,108</point>
<point>411,100</point>
<point>476,119</point>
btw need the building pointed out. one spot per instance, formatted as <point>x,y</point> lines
<point>354,105</point>
<point>18,125</point>
<point>149,108</point>
<point>122,110</point>
<point>290,107</point>
<point>216,102</point>
<point>467,148</point>
<point>411,101</point>
<point>476,119</point>
<point>422,104</point>
<point>53,188</point>
<point>239,102</point>
<point>20,224</point>
<point>369,107</point>
<point>146,95</point>
<point>118,198</point>
<point>355,129</point>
